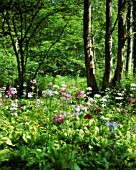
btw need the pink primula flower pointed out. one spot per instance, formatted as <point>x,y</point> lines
<point>80,94</point>
<point>132,100</point>
<point>126,111</point>
<point>33,81</point>
<point>58,119</point>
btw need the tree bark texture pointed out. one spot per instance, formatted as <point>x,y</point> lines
<point>129,38</point>
<point>89,62</point>
<point>121,41</point>
<point>108,46</point>
<point>134,30</point>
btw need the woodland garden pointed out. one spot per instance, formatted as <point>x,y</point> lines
<point>68,85</point>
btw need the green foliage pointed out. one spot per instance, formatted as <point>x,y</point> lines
<point>61,130</point>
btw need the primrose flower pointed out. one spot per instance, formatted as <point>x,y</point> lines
<point>133,84</point>
<point>103,105</point>
<point>55,86</point>
<point>77,108</point>
<point>58,119</point>
<point>97,110</point>
<point>125,111</point>
<point>89,88</point>
<point>132,100</point>
<point>104,118</point>
<point>9,91</point>
<point>13,108</point>
<point>97,95</point>
<point>55,92</point>
<point>2,89</point>
<point>50,84</point>
<point>30,94</point>
<point>88,104</point>
<point>88,116</point>
<point>14,114</point>
<point>80,108</point>
<point>67,95</point>
<point>80,94</point>
<point>20,107</point>
<point>33,81</point>
<point>47,93</point>
<point>76,114</point>
<point>25,84</point>
<point>111,124</point>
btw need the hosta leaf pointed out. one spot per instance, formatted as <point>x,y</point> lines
<point>7,141</point>
<point>76,167</point>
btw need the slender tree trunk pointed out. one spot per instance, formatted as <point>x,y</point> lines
<point>89,62</point>
<point>108,46</point>
<point>134,30</point>
<point>129,39</point>
<point>121,41</point>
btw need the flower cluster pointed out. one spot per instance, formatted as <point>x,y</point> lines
<point>58,119</point>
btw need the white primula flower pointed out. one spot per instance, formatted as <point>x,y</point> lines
<point>104,99</point>
<point>33,81</point>
<point>14,105</point>
<point>133,85</point>
<point>104,118</point>
<point>118,98</point>
<point>119,94</point>
<point>55,86</point>
<point>14,114</point>
<point>63,85</point>
<point>13,108</point>
<point>89,88</point>
<point>81,132</point>
<point>97,95</point>
<point>47,92</point>
<point>25,84</point>
<point>30,94</point>
<point>13,90</point>
<point>55,92</point>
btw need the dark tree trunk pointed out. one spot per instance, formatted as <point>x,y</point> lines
<point>121,41</point>
<point>108,46</point>
<point>89,62</point>
<point>129,38</point>
<point>134,30</point>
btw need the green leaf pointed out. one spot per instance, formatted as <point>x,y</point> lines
<point>7,141</point>
<point>76,167</point>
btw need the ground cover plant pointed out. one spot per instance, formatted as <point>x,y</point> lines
<point>65,129</point>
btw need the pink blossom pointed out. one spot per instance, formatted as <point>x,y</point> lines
<point>132,100</point>
<point>125,111</point>
<point>50,84</point>
<point>67,95</point>
<point>33,81</point>
<point>80,94</point>
<point>20,107</point>
<point>58,119</point>
<point>9,92</point>
<point>118,109</point>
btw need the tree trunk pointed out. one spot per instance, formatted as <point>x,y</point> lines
<point>134,30</point>
<point>89,62</point>
<point>121,41</point>
<point>108,46</point>
<point>129,39</point>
